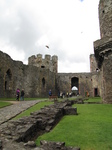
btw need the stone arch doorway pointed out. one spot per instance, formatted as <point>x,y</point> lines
<point>8,79</point>
<point>75,82</point>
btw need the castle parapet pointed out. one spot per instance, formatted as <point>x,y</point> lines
<point>48,62</point>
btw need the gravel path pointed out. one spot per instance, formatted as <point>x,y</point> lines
<point>11,111</point>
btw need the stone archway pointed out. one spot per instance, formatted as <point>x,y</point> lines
<point>75,82</point>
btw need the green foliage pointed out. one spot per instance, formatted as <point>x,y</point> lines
<point>4,104</point>
<point>33,109</point>
<point>89,130</point>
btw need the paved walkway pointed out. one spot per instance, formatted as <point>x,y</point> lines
<point>9,112</point>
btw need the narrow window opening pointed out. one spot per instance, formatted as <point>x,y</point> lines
<point>42,66</point>
<point>5,85</point>
<point>43,82</point>
<point>103,11</point>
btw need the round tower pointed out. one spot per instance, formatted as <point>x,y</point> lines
<point>93,63</point>
<point>105,18</point>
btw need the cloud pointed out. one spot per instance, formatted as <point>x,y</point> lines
<point>67,27</point>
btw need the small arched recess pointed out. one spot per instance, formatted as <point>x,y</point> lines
<point>8,78</point>
<point>43,82</point>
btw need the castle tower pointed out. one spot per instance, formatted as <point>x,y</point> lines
<point>103,49</point>
<point>93,64</point>
<point>105,18</point>
<point>46,63</point>
<point>55,63</point>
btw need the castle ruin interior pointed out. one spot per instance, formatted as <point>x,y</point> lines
<point>41,74</point>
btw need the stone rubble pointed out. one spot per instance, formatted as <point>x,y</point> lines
<point>21,133</point>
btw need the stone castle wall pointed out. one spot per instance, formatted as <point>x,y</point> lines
<point>37,80</point>
<point>105,18</point>
<point>103,50</point>
<point>86,82</point>
<point>48,62</point>
<point>93,64</point>
<point>14,74</point>
<point>40,74</point>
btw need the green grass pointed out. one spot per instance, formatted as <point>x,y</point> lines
<point>4,104</point>
<point>94,99</point>
<point>33,109</point>
<point>91,129</point>
<point>26,99</point>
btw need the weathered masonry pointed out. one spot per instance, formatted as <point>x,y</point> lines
<point>41,74</point>
<point>34,80</point>
<point>103,49</point>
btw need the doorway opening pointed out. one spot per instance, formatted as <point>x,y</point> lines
<point>75,85</point>
<point>75,82</point>
<point>95,92</point>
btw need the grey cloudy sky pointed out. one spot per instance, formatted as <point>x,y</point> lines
<point>68,27</point>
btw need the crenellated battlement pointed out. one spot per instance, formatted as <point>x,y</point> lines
<point>49,62</point>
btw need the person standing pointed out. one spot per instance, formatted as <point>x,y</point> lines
<point>50,92</point>
<point>17,94</point>
<point>22,94</point>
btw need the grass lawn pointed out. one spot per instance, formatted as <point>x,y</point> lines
<point>26,99</point>
<point>91,129</point>
<point>4,104</point>
<point>33,109</point>
<point>94,99</point>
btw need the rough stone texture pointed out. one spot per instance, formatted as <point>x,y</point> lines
<point>86,82</point>
<point>40,74</point>
<point>107,80</point>
<point>56,146</point>
<point>93,63</point>
<point>13,110</point>
<point>105,18</point>
<point>103,50</point>
<point>48,62</point>
<point>36,81</point>
<point>26,129</point>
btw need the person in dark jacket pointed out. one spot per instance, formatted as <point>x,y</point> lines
<point>50,92</point>
<point>22,94</point>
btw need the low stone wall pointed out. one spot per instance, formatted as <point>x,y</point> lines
<point>56,146</point>
<point>29,128</point>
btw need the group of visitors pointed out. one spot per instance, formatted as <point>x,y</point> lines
<point>20,94</point>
